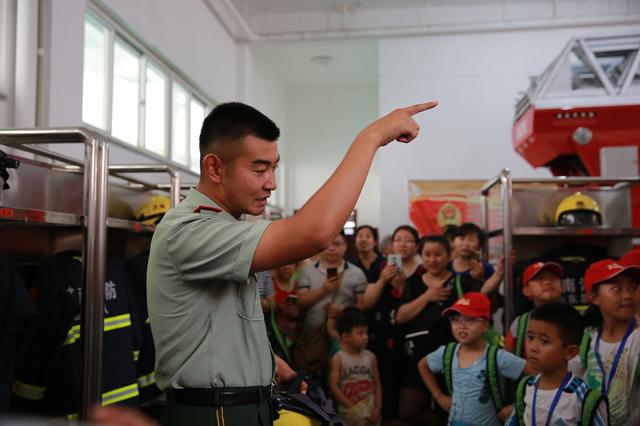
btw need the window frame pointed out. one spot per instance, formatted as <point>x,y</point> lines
<point>149,56</point>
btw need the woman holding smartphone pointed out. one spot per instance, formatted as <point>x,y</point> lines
<point>383,298</point>
<point>426,295</point>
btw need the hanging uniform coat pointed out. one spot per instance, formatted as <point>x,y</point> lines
<point>145,363</point>
<point>49,382</point>
<point>16,310</point>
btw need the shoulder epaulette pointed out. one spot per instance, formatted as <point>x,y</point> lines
<point>199,209</point>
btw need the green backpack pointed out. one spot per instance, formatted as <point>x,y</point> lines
<point>523,321</point>
<point>492,373</point>
<point>590,403</point>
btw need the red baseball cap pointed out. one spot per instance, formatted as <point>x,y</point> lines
<point>604,270</point>
<point>474,305</point>
<point>535,268</point>
<point>631,258</point>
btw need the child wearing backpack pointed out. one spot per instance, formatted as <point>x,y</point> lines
<point>555,396</point>
<point>540,284</point>
<point>474,371</point>
<point>610,349</point>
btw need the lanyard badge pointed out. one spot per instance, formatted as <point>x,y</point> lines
<point>554,403</point>
<point>606,382</point>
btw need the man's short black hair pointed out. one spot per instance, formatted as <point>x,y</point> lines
<point>228,124</point>
<point>438,239</point>
<point>469,228</point>
<point>349,319</point>
<point>565,318</point>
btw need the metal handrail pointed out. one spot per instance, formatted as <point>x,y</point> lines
<point>506,181</point>
<point>94,247</point>
<point>115,171</point>
<point>174,186</point>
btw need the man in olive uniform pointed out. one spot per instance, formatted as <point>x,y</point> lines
<point>212,352</point>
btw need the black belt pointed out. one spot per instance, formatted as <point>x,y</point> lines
<point>221,397</point>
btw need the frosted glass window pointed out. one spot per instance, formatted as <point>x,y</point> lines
<point>179,125</point>
<point>196,118</point>
<point>155,107</point>
<point>126,92</point>
<point>94,84</point>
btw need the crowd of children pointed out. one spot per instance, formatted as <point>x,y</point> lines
<point>415,345</point>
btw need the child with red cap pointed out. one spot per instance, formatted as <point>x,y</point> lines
<point>475,372</point>
<point>540,284</point>
<point>632,258</point>
<point>610,350</point>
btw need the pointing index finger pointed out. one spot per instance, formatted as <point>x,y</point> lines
<point>417,108</point>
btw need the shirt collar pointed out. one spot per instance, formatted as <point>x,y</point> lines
<point>197,199</point>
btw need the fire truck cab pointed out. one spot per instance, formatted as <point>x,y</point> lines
<point>582,114</point>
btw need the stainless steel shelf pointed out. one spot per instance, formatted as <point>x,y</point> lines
<point>130,225</point>
<point>557,231</point>
<point>47,217</point>
<point>44,217</point>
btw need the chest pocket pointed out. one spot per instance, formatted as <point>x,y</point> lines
<point>248,301</point>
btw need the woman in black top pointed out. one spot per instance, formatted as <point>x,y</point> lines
<point>424,299</point>
<point>382,299</point>
<point>368,258</point>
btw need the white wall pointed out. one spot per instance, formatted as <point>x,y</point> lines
<point>187,33</point>
<point>190,35</point>
<point>476,78</point>
<point>322,124</point>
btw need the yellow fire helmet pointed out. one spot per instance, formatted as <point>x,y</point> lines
<point>153,209</point>
<point>578,210</point>
<point>291,418</point>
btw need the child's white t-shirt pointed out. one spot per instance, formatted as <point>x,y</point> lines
<point>624,393</point>
<point>568,411</point>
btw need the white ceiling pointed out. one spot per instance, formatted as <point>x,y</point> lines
<point>247,7</point>
<point>354,64</point>
<point>279,20</point>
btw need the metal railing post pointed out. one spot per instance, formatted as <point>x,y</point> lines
<point>507,244</point>
<point>96,175</point>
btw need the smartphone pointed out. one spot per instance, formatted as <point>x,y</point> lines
<point>477,256</point>
<point>332,273</point>
<point>395,259</point>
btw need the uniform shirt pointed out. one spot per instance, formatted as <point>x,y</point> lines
<point>568,412</point>
<point>353,282</point>
<point>265,284</point>
<point>624,391</point>
<point>203,301</point>
<point>471,402</point>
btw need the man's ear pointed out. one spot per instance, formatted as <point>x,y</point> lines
<point>526,291</point>
<point>213,167</point>
<point>571,351</point>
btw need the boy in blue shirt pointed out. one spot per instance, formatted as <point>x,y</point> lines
<point>475,372</point>
<point>555,396</point>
